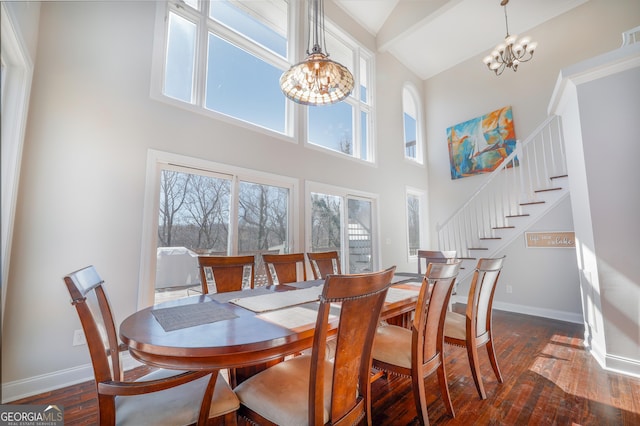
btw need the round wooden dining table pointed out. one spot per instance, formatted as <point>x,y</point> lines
<point>244,338</point>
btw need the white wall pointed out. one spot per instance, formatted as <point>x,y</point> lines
<point>470,90</point>
<point>599,101</point>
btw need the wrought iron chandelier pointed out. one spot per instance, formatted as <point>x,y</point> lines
<point>510,53</point>
<point>317,80</point>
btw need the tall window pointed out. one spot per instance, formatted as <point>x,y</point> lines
<point>227,56</point>
<point>345,127</point>
<point>217,212</point>
<point>415,233</point>
<point>344,222</point>
<point>411,120</point>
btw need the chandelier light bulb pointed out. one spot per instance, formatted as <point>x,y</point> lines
<point>512,52</point>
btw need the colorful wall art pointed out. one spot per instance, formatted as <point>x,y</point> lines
<point>481,144</point>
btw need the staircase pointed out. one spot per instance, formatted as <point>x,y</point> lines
<point>526,185</point>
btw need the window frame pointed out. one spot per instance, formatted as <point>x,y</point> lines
<point>421,195</point>
<point>413,94</point>
<point>204,25</point>
<point>354,100</point>
<point>346,194</point>
<point>17,77</point>
<point>159,160</point>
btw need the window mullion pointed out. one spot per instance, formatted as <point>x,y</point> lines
<point>202,56</point>
<point>234,199</point>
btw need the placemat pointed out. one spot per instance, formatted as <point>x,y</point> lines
<point>225,297</point>
<point>177,317</point>
<point>279,299</point>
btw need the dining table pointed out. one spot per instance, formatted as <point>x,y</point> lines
<point>241,329</point>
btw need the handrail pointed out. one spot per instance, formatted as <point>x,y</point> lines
<point>517,180</point>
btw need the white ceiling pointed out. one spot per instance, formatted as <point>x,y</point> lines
<point>430,36</point>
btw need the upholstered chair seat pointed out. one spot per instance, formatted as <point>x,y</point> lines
<point>455,325</point>
<point>281,393</point>
<point>174,408</point>
<point>392,345</point>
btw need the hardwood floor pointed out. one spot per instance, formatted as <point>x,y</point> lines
<point>549,379</point>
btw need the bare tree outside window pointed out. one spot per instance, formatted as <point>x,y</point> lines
<point>326,229</point>
<point>413,222</point>
<point>194,219</point>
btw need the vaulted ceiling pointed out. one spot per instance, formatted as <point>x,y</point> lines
<point>431,36</point>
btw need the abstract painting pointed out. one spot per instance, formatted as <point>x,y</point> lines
<point>479,145</point>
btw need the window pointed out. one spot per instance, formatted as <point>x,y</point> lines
<point>412,129</point>
<point>345,127</point>
<point>341,221</point>
<point>415,234</point>
<point>227,57</point>
<point>211,209</point>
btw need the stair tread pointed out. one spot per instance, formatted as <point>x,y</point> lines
<point>503,227</point>
<point>558,177</point>
<point>532,202</point>
<point>518,215</point>
<point>557,188</point>
<point>490,238</point>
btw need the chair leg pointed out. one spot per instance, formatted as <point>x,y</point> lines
<point>474,363</point>
<point>493,360</point>
<point>420,397</point>
<point>444,389</point>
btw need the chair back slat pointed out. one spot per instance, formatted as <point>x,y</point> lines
<point>434,256</point>
<point>94,310</point>
<point>431,308</point>
<point>285,268</point>
<point>356,294</point>
<point>324,263</point>
<point>481,292</point>
<point>226,273</point>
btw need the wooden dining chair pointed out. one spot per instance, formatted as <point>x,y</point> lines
<point>434,256</point>
<point>227,273</point>
<point>161,397</point>
<point>284,268</point>
<point>418,353</point>
<point>324,263</point>
<point>473,330</point>
<point>312,389</point>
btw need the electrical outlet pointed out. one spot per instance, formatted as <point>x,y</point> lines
<point>509,289</point>
<point>78,338</point>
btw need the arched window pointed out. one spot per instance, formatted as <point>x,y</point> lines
<point>412,124</point>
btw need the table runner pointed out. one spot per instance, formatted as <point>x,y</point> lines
<point>398,294</point>
<point>225,297</point>
<point>279,299</point>
<point>183,316</point>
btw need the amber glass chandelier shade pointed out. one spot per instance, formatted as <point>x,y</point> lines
<point>317,81</point>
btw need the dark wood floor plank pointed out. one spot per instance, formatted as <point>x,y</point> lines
<point>549,379</point>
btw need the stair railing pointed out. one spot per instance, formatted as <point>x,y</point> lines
<point>517,181</point>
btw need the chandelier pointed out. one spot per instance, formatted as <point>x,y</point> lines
<point>317,80</point>
<point>510,53</point>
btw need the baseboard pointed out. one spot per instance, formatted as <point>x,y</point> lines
<point>12,391</point>
<point>529,310</point>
